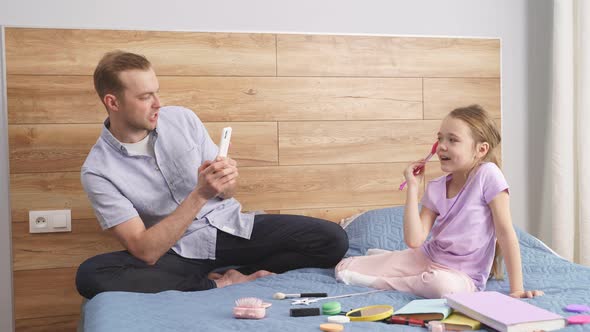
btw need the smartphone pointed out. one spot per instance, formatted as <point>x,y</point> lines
<point>224,142</point>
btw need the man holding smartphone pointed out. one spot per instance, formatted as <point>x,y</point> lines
<point>156,183</point>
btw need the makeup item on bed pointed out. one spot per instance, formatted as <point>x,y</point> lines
<point>308,301</point>
<point>405,321</point>
<point>578,319</point>
<point>331,308</point>
<point>250,308</point>
<point>579,308</point>
<point>338,319</point>
<point>331,327</point>
<point>282,296</point>
<point>370,313</point>
<point>436,326</point>
<point>304,312</point>
<point>419,168</point>
<point>425,309</point>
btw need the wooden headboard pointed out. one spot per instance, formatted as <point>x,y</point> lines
<point>323,126</point>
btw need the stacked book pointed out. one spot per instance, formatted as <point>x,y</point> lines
<point>437,310</point>
<point>505,313</point>
<point>468,311</point>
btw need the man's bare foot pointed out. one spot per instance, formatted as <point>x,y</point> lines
<point>232,276</point>
<point>214,276</point>
<point>261,273</point>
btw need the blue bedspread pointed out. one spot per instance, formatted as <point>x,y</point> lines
<point>563,282</point>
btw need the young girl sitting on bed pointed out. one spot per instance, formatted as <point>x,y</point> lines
<point>464,212</point>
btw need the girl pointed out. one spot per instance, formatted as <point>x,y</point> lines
<point>464,211</point>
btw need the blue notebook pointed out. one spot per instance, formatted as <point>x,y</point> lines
<point>436,309</point>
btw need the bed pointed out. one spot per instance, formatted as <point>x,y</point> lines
<point>323,126</point>
<point>563,282</point>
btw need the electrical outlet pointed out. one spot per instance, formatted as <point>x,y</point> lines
<point>50,221</point>
<point>40,222</point>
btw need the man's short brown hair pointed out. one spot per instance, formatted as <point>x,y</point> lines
<point>106,74</point>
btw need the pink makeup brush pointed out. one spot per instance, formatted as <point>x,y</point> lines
<point>419,168</point>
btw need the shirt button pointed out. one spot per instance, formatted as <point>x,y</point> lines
<point>157,168</point>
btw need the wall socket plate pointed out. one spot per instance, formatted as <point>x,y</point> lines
<point>50,221</point>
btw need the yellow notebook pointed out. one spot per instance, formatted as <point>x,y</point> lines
<point>459,322</point>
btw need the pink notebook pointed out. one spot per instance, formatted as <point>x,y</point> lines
<point>504,313</point>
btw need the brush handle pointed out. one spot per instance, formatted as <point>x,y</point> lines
<point>314,294</point>
<point>403,185</point>
<point>417,170</point>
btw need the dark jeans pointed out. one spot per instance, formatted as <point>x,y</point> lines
<point>278,243</point>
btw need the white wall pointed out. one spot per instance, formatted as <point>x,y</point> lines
<point>524,27</point>
<point>6,308</point>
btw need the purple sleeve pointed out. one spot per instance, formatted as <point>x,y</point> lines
<point>428,198</point>
<point>493,182</point>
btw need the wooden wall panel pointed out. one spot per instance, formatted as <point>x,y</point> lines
<point>76,52</point>
<point>295,98</point>
<point>47,251</point>
<point>333,214</point>
<point>442,95</point>
<point>50,148</point>
<point>40,99</point>
<point>261,188</point>
<point>366,56</point>
<point>64,147</point>
<point>335,142</point>
<point>46,293</point>
<point>48,191</point>
<point>71,99</point>
<point>323,126</point>
<point>252,143</point>
<point>48,324</point>
<point>42,191</point>
<point>317,186</point>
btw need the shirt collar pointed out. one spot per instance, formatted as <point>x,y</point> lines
<point>111,140</point>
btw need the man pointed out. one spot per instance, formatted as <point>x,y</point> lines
<point>155,182</point>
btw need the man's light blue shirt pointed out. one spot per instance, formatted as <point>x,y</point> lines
<point>121,186</point>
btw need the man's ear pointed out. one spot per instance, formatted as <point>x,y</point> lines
<point>111,102</point>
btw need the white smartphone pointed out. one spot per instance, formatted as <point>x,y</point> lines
<point>224,142</point>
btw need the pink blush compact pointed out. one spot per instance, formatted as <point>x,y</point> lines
<point>578,319</point>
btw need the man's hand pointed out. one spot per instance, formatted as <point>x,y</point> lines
<point>231,185</point>
<point>217,178</point>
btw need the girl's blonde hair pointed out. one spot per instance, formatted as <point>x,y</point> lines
<point>483,129</point>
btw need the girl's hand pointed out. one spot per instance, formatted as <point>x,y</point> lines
<point>415,172</point>
<point>527,294</point>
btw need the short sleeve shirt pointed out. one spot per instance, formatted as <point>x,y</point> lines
<point>463,235</point>
<point>121,185</point>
